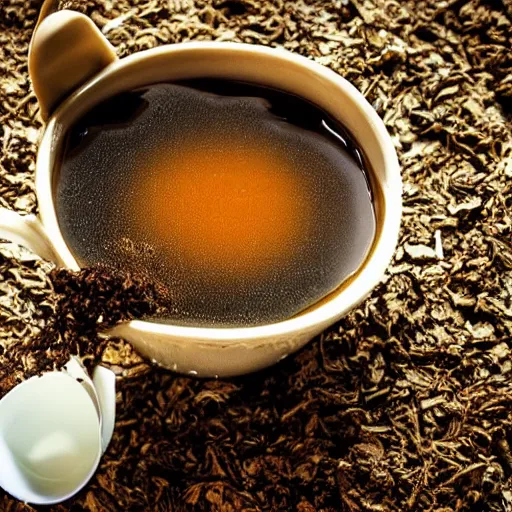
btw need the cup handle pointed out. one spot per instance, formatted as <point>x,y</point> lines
<point>28,231</point>
<point>67,50</point>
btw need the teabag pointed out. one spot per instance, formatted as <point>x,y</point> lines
<point>247,205</point>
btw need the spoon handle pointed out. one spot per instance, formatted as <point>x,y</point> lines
<point>48,7</point>
<point>66,51</point>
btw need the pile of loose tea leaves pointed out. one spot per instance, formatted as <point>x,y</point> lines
<point>87,303</point>
<point>404,405</point>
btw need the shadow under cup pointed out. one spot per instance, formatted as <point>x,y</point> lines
<point>298,82</point>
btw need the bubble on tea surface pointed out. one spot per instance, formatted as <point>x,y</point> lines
<point>242,202</point>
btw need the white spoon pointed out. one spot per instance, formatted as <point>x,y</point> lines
<point>53,431</point>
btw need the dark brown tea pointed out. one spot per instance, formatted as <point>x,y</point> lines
<point>247,205</point>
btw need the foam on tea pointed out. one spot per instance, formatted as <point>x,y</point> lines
<point>245,204</point>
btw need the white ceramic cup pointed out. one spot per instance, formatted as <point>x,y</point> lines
<point>70,59</point>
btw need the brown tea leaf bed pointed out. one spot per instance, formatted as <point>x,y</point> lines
<point>406,404</point>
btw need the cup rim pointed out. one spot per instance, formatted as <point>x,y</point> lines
<point>323,315</point>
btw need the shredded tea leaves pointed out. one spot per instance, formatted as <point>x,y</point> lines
<point>86,303</point>
<point>403,406</point>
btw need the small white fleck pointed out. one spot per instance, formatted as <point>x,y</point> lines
<point>117,22</point>
<point>439,244</point>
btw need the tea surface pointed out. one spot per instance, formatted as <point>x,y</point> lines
<point>246,204</point>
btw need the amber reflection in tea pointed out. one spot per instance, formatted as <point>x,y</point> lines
<point>247,205</point>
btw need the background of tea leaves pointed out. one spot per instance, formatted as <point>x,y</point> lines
<point>407,403</point>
